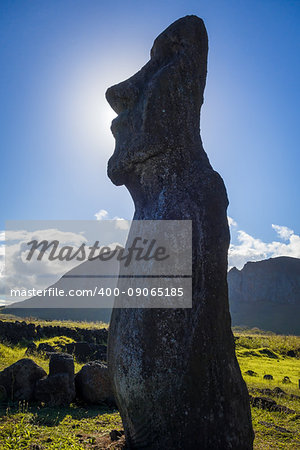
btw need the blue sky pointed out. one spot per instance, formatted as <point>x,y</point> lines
<point>57,59</point>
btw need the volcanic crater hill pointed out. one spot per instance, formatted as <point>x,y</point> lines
<point>266,294</point>
<point>89,275</point>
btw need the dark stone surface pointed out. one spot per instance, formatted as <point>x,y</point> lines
<point>175,376</point>
<point>16,331</point>
<point>268,377</point>
<point>58,388</point>
<point>93,384</point>
<point>61,363</point>
<point>263,402</point>
<point>270,405</point>
<point>279,392</point>
<point>268,352</point>
<point>3,394</point>
<point>45,348</point>
<point>86,351</point>
<point>31,348</point>
<point>286,380</point>
<point>115,435</point>
<point>55,390</point>
<point>20,379</point>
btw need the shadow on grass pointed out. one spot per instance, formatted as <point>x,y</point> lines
<point>52,416</point>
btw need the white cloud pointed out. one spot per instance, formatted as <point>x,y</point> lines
<point>102,214</point>
<point>48,234</point>
<point>250,248</point>
<point>21,274</point>
<point>231,222</point>
<point>122,224</point>
<point>283,232</point>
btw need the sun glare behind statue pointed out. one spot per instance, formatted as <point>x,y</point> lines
<point>85,114</point>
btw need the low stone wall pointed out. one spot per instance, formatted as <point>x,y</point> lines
<point>15,332</point>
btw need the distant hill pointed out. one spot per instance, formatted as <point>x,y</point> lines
<point>266,294</point>
<point>86,276</point>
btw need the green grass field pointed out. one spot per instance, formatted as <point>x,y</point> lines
<point>74,427</point>
<point>266,354</point>
<point>79,427</point>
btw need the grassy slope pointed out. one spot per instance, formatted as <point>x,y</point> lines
<point>11,354</point>
<point>273,430</point>
<point>80,427</point>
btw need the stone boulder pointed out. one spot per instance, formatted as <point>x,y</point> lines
<point>19,379</point>
<point>269,404</point>
<point>3,394</point>
<point>86,351</point>
<point>58,388</point>
<point>279,392</point>
<point>286,380</point>
<point>31,348</point>
<point>262,402</point>
<point>93,384</point>
<point>268,377</point>
<point>44,347</point>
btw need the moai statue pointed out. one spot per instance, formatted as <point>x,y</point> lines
<point>174,372</point>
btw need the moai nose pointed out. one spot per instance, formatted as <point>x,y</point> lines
<point>122,96</point>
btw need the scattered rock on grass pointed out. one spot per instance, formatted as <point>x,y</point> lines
<point>276,391</point>
<point>267,352</point>
<point>93,384</point>
<point>58,388</point>
<point>86,351</point>
<point>286,380</point>
<point>268,377</point>
<point>45,348</point>
<point>262,402</point>
<point>269,404</point>
<point>31,348</point>
<point>251,373</point>
<point>272,425</point>
<point>265,391</point>
<point>20,379</point>
<point>283,409</point>
<point>279,392</point>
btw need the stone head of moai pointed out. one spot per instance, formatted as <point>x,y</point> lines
<point>159,107</point>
